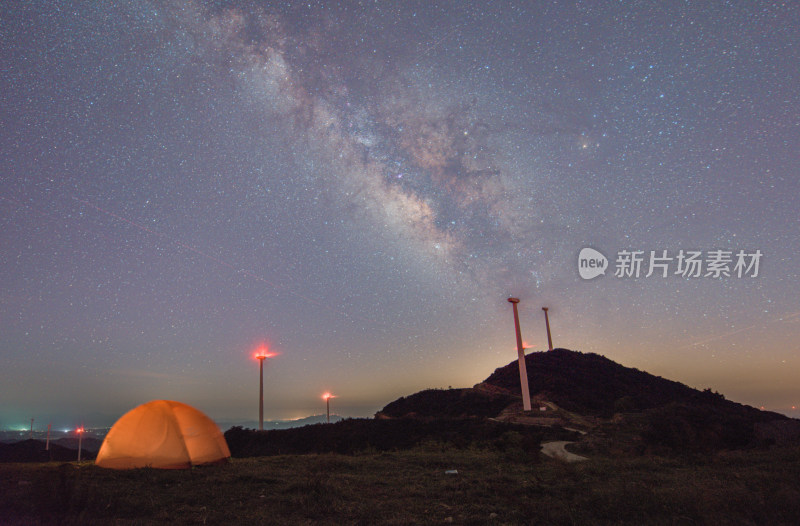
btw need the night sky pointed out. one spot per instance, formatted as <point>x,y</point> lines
<point>361,185</point>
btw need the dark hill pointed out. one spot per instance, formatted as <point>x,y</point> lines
<point>450,403</point>
<point>590,384</point>
<point>585,391</point>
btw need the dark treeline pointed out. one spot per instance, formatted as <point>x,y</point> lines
<point>358,435</point>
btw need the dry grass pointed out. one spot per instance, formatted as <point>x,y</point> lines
<point>411,487</point>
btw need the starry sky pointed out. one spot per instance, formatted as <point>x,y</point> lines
<point>361,185</point>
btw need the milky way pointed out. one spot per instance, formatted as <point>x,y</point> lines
<point>361,186</point>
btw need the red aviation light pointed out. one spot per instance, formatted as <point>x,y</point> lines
<point>264,353</point>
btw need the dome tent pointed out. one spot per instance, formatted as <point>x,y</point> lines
<point>162,434</point>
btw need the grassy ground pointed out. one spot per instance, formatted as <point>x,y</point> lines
<point>411,487</point>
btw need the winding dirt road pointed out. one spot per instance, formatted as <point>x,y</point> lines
<point>556,450</point>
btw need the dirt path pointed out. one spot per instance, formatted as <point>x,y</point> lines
<point>556,450</point>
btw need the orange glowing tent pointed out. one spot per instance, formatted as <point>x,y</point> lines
<point>162,434</point>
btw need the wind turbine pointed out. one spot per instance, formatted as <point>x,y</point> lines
<point>261,355</point>
<point>327,397</point>
<point>547,323</point>
<point>523,371</point>
<point>80,431</point>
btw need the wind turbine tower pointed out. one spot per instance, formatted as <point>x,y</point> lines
<point>547,324</point>
<point>523,371</point>
<point>327,397</point>
<point>261,355</point>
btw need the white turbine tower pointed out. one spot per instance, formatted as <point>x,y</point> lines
<point>523,371</point>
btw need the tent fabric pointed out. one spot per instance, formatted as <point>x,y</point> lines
<point>162,434</point>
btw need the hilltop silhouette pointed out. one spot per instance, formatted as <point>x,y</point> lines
<point>591,384</point>
<point>614,404</point>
